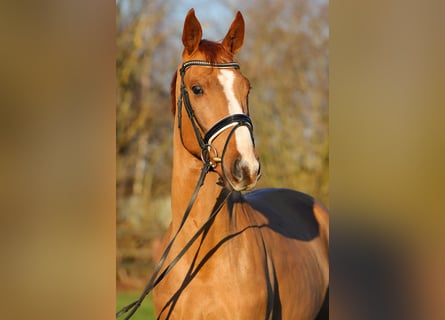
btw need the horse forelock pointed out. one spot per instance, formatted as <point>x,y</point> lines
<point>213,52</point>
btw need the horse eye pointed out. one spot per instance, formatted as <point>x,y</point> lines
<point>197,90</point>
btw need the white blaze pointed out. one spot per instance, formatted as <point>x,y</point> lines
<point>243,139</point>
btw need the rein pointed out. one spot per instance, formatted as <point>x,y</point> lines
<point>155,279</point>
<point>209,163</point>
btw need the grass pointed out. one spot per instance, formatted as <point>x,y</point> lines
<point>145,311</point>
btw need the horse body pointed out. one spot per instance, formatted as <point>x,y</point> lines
<point>265,254</point>
<point>256,262</point>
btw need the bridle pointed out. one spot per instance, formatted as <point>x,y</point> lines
<point>235,120</point>
<point>209,163</point>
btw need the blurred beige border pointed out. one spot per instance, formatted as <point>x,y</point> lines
<point>387,145</point>
<point>58,160</point>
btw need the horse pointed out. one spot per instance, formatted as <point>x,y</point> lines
<point>236,253</point>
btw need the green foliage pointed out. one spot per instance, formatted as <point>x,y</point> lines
<point>145,311</point>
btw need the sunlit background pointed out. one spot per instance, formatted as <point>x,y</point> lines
<point>285,57</point>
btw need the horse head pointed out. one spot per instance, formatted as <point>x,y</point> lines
<point>210,102</point>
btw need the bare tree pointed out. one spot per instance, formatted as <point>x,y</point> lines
<point>286,59</point>
<point>143,128</point>
<point>142,123</point>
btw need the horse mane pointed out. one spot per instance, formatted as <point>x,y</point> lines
<point>214,52</point>
<point>173,92</point>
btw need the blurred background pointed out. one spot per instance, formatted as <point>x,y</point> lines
<point>58,96</point>
<point>285,56</point>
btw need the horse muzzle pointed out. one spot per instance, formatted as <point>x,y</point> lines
<point>239,163</point>
<point>244,174</point>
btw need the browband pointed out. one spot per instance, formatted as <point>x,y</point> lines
<point>202,63</point>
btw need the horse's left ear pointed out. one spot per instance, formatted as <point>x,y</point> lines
<point>234,38</point>
<point>192,33</point>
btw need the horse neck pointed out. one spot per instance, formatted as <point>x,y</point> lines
<point>186,172</point>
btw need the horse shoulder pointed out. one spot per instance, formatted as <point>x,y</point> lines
<point>322,216</point>
<point>297,235</point>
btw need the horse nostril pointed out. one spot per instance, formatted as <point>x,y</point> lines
<point>237,171</point>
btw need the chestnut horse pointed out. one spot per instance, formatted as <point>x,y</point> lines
<point>256,255</point>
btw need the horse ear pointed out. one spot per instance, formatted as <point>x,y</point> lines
<point>234,38</point>
<point>192,33</point>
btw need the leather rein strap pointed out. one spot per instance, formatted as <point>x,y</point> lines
<point>155,279</point>
<point>235,121</point>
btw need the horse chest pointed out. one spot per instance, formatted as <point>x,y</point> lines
<point>228,282</point>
